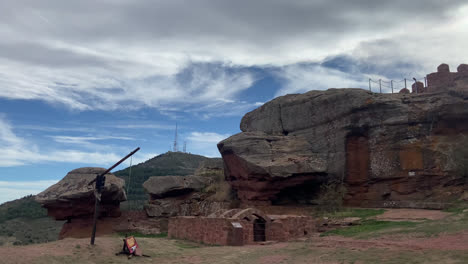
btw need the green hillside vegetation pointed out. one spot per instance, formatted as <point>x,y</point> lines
<point>25,207</point>
<point>170,163</point>
<point>24,221</point>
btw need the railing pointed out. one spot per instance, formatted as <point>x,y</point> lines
<point>394,86</point>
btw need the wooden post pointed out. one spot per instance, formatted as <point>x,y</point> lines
<point>96,213</point>
<point>100,182</point>
<point>380,85</point>
<point>405,84</point>
<point>391,84</point>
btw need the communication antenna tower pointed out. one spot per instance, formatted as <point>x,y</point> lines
<point>185,146</point>
<point>175,140</point>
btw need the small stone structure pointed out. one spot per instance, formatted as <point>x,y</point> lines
<point>417,87</point>
<point>444,80</point>
<point>237,227</point>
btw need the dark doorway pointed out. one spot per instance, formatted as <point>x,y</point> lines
<point>259,230</point>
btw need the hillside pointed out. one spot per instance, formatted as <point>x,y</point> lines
<point>24,221</point>
<point>170,163</point>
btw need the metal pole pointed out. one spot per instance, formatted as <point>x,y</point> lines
<point>415,84</point>
<point>98,180</point>
<point>425,81</point>
<point>405,84</point>
<point>391,84</point>
<point>380,84</point>
<point>370,85</point>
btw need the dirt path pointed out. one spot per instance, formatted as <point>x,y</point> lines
<point>411,215</point>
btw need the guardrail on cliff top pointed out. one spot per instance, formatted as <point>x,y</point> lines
<point>394,86</point>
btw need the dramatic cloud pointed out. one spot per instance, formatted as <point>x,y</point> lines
<point>183,55</point>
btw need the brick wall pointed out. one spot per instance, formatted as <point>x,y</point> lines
<point>220,231</point>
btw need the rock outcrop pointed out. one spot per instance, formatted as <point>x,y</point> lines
<point>195,195</point>
<point>169,186</point>
<point>388,149</point>
<point>179,196</point>
<point>73,196</point>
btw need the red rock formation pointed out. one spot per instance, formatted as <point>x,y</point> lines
<point>391,149</point>
<point>73,196</point>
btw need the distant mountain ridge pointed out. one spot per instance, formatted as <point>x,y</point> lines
<point>169,163</point>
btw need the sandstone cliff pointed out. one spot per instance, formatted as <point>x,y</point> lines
<point>388,149</point>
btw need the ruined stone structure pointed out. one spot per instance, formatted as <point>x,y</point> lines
<point>389,150</point>
<point>444,80</point>
<point>237,227</point>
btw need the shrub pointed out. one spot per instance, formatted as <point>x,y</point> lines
<point>330,198</point>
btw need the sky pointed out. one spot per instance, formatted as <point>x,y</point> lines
<point>83,83</point>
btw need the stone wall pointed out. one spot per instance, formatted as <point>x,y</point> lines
<point>213,231</point>
<point>444,80</point>
<point>223,231</point>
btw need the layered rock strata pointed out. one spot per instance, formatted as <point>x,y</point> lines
<point>179,196</point>
<point>389,150</point>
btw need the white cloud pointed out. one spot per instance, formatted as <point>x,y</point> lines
<point>10,190</point>
<point>17,151</point>
<point>303,78</point>
<point>204,143</point>
<point>85,140</point>
<point>152,53</point>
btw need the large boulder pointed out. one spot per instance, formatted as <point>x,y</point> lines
<point>73,196</point>
<point>183,195</point>
<point>388,149</point>
<point>169,186</point>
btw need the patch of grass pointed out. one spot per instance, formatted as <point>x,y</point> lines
<point>450,225</point>
<point>137,234</point>
<point>24,231</point>
<point>457,208</point>
<point>368,227</point>
<point>355,212</point>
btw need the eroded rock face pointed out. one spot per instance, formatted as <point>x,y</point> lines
<point>167,186</point>
<point>73,197</point>
<point>389,149</point>
<point>180,195</point>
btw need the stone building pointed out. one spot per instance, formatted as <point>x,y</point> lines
<point>444,80</point>
<point>237,227</point>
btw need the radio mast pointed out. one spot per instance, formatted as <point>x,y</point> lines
<point>175,139</point>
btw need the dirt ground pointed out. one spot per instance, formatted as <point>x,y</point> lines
<point>411,215</point>
<point>389,248</point>
<point>443,249</point>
